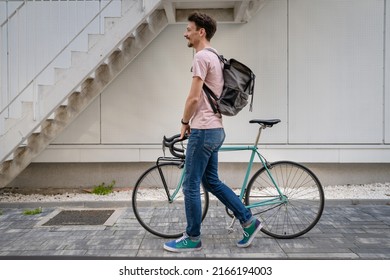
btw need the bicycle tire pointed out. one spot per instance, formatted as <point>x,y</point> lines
<point>151,205</point>
<point>305,199</point>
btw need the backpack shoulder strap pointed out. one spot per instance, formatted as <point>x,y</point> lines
<point>210,96</point>
<point>221,58</point>
<point>209,93</point>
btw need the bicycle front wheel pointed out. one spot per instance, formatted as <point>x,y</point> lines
<point>297,210</point>
<point>158,201</point>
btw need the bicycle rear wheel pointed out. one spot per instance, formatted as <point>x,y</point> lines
<point>151,203</point>
<point>303,204</point>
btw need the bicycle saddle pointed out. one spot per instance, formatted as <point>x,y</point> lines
<point>268,123</point>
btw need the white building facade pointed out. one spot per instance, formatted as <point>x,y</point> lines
<point>322,67</point>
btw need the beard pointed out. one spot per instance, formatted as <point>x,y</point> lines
<point>189,44</point>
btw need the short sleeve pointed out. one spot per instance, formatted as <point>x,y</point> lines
<point>200,65</point>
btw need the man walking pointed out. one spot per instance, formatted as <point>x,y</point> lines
<point>206,135</point>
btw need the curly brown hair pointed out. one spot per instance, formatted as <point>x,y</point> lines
<point>204,21</point>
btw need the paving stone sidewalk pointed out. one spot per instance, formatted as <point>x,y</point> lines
<point>345,231</point>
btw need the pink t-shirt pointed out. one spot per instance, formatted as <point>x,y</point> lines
<point>208,67</point>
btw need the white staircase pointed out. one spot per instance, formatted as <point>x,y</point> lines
<point>124,37</point>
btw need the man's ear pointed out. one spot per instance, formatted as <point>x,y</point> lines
<point>202,32</point>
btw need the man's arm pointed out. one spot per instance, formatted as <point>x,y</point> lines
<point>191,103</point>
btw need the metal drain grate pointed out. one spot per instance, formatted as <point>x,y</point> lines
<point>80,217</point>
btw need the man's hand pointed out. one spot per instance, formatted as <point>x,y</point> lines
<point>185,129</point>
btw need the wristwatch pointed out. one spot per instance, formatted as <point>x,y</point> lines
<point>185,123</point>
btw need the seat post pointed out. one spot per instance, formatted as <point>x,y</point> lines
<point>258,135</point>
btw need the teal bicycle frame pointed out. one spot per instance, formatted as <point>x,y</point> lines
<point>282,199</point>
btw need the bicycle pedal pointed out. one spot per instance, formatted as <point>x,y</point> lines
<point>230,230</point>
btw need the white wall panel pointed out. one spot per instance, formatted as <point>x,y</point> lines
<point>336,71</point>
<point>387,76</point>
<point>3,11</point>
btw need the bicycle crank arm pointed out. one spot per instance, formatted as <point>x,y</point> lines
<point>230,228</point>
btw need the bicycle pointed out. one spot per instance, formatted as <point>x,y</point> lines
<point>286,196</point>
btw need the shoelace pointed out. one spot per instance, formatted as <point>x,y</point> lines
<point>183,238</point>
<point>244,232</point>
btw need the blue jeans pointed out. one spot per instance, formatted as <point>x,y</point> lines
<point>202,166</point>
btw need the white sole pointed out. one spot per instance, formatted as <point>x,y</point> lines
<point>170,249</point>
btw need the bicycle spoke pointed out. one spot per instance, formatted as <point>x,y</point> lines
<point>300,206</point>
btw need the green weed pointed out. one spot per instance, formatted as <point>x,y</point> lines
<point>33,212</point>
<point>104,189</point>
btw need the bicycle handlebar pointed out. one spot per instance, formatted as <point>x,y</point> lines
<point>170,142</point>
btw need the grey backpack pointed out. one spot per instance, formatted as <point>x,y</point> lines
<point>239,84</point>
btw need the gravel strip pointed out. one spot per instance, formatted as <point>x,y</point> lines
<point>367,191</point>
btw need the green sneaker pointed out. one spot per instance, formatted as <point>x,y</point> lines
<point>249,233</point>
<point>183,244</point>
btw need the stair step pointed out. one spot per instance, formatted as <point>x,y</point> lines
<point>9,123</point>
<point>110,23</point>
<point>5,166</point>
<point>151,23</point>
<point>50,128</point>
<point>78,58</point>
<point>86,84</point>
<point>128,5</point>
<point>75,100</point>
<point>93,39</point>
<point>37,142</point>
<point>114,54</point>
<point>20,153</point>
<point>60,73</point>
<point>46,124</point>
<point>141,28</point>
<point>102,74</point>
<point>128,43</point>
<point>63,114</point>
<point>43,89</point>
